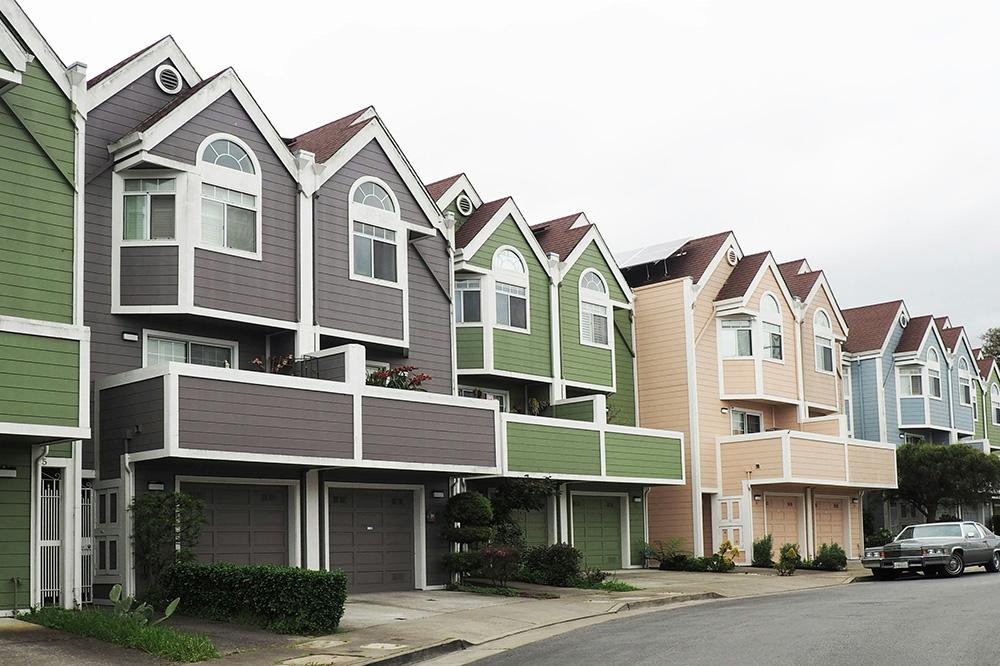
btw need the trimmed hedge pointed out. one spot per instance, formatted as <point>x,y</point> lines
<point>282,599</point>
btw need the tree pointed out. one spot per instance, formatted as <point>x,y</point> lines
<point>930,474</point>
<point>991,342</point>
<point>166,527</point>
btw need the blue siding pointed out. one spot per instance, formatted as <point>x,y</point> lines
<point>864,383</point>
<point>940,410</point>
<point>912,411</point>
<point>892,419</point>
<point>963,413</point>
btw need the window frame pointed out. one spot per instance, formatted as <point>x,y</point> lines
<point>460,300</point>
<point>910,371</point>
<point>233,345</point>
<point>505,395</point>
<point>745,412</point>
<point>934,366</point>
<point>595,300</point>
<point>514,279</point>
<point>772,320</point>
<point>995,404</point>
<point>147,221</point>
<point>823,334</point>
<point>383,219</point>
<point>230,179</point>
<point>722,336</point>
<point>965,384</point>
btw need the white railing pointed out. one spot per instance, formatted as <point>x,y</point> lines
<point>87,545</point>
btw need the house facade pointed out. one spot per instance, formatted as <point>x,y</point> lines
<point>44,348</point>
<point>743,355</point>
<point>544,328</point>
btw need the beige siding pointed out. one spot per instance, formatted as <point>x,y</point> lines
<point>871,465</point>
<point>820,387</point>
<point>670,515</point>
<point>739,376</point>
<point>818,460</point>
<point>857,527</point>
<point>825,426</point>
<point>738,457</point>
<point>779,377</point>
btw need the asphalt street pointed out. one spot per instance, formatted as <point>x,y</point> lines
<point>912,620</point>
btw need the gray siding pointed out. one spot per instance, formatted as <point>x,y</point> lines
<point>425,433</point>
<point>122,408</point>
<point>230,416</point>
<point>266,288</point>
<point>330,367</point>
<point>889,382</point>
<point>149,275</point>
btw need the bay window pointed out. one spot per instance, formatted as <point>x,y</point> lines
<point>737,338</point>
<point>468,301</point>
<point>150,209</point>
<point>911,382</point>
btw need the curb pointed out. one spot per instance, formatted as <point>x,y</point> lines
<point>666,601</point>
<point>423,653</point>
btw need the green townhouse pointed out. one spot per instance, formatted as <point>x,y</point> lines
<point>44,410</point>
<point>544,326</point>
<point>987,409</point>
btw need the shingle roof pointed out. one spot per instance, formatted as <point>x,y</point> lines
<point>742,276</point>
<point>438,188</point>
<point>178,99</point>
<point>985,363</point>
<point>791,268</point>
<point>559,235</point>
<point>942,323</point>
<point>114,68</point>
<point>694,257</point>
<point>914,333</point>
<point>326,140</point>
<point>950,336</point>
<point>869,325</point>
<point>479,219</point>
<point>801,284</point>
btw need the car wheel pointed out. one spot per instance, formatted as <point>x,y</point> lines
<point>955,566</point>
<point>883,574</point>
<point>993,565</point>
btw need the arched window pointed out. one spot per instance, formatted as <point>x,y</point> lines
<point>377,251</point>
<point>964,382</point>
<point>771,326</point>
<point>995,404</point>
<point>933,373</point>
<point>230,196</point>
<point>823,334</point>
<point>511,276</point>
<point>595,310</point>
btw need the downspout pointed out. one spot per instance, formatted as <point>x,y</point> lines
<point>799,373</point>
<point>558,391</point>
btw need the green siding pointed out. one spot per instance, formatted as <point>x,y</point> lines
<point>583,363</point>
<point>980,429</point>
<point>642,456</point>
<point>621,403</point>
<point>61,450</point>
<point>574,411</point>
<point>39,380</point>
<point>992,431</point>
<point>453,209</point>
<point>513,351</point>
<point>551,449</point>
<point>15,526</point>
<point>534,525</point>
<point>469,346</point>
<point>36,200</point>
<point>636,526</point>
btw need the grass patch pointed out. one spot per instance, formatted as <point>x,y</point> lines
<point>609,585</point>
<point>129,632</point>
<point>500,591</point>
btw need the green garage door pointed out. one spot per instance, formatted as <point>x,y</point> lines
<point>597,530</point>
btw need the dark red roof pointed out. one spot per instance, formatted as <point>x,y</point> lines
<point>801,284</point>
<point>438,188</point>
<point>479,219</point>
<point>742,276</point>
<point>869,325</point>
<point>174,103</point>
<point>326,140</point>
<point>941,323</point>
<point>559,236</point>
<point>950,336</point>
<point>791,268</point>
<point>985,363</point>
<point>914,333</point>
<point>694,257</point>
<point>114,68</point>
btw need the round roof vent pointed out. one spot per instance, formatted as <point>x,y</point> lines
<point>732,257</point>
<point>903,320</point>
<point>169,79</point>
<point>464,205</point>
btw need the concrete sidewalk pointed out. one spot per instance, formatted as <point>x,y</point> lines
<point>406,627</point>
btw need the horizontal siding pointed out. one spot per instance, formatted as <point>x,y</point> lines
<point>582,363</point>
<point>738,457</point>
<point>542,448</point>
<point>331,368</point>
<point>39,380</point>
<point>574,411</point>
<point>15,526</point>
<point>818,460</point>
<point>621,403</point>
<point>739,376</point>
<point>418,432</point>
<point>123,408</point>
<point>912,411</point>
<point>642,456</point>
<point>871,465</point>
<point>469,341</point>
<point>149,275</point>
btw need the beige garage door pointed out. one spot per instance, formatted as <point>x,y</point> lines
<point>830,521</point>
<point>782,514</point>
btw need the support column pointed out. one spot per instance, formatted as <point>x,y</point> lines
<point>312,519</point>
<point>563,515</point>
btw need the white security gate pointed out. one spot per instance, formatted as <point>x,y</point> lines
<point>50,538</point>
<point>87,545</point>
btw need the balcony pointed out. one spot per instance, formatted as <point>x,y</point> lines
<point>580,446</point>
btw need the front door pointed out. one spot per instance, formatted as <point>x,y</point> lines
<point>782,514</point>
<point>597,530</point>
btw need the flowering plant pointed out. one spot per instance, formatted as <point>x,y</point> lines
<point>403,377</point>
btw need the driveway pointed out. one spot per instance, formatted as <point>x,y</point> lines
<point>27,644</point>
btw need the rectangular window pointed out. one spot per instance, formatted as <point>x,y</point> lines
<point>966,392</point>
<point>746,423</point>
<point>228,218</point>
<point>911,382</point>
<point>371,367</point>
<point>374,252</point>
<point>512,306</point>
<point>484,394</point>
<point>934,383</point>
<point>166,350</point>
<point>824,354</point>
<point>149,209</point>
<point>593,323</point>
<point>975,406</point>
<point>772,341</point>
<point>737,338</point>
<point>468,301</point>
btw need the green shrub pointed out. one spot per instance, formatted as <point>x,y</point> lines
<point>788,560</point>
<point>166,526</point>
<point>671,554</point>
<point>723,561</point>
<point>558,564</point>
<point>762,551</point>
<point>880,538</point>
<point>282,599</point>
<point>469,508</point>
<point>499,563</point>
<point>830,558</point>
<point>468,534</point>
<point>464,563</point>
<point>509,534</point>
<point>127,631</point>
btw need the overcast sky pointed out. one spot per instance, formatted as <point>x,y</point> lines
<point>862,135</point>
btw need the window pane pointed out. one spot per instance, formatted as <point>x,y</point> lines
<point>135,217</point>
<point>385,261</point>
<point>518,312</point>
<point>471,306</point>
<point>161,217</point>
<point>214,355</point>
<point>503,308</point>
<point>112,555</point>
<point>362,255</point>
<point>744,342</point>
<point>241,229</point>
<point>213,223</point>
<point>113,508</point>
<point>753,423</point>
<point>600,330</point>
<point>160,350</point>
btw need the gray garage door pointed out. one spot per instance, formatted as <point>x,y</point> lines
<point>246,524</point>
<point>371,538</point>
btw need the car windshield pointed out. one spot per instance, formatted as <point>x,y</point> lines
<point>924,531</point>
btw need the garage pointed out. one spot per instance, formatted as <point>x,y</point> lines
<point>372,538</point>
<point>831,524</point>
<point>245,523</point>
<point>597,530</point>
<point>782,514</point>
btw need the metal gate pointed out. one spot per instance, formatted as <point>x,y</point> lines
<point>87,545</point>
<point>50,542</point>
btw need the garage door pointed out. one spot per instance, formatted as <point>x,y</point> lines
<point>245,524</point>
<point>782,515</point>
<point>597,530</point>
<point>371,538</point>
<point>830,522</point>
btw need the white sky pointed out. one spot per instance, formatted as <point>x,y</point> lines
<point>863,135</point>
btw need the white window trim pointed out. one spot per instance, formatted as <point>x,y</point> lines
<point>994,404</point>
<point>965,380</point>
<point>377,217</point>
<point>734,411</point>
<point>148,333</point>
<point>118,208</point>
<point>470,324</point>
<point>817,336</point>
<point>148,223</point>
<point>933,366</point>
<point>500,392</point>
<point>780,323</point>
<point>721,332</point>
<point>230,179</point>
<point>516,279</point>
<point>899,382</point>
<point>599,300</point>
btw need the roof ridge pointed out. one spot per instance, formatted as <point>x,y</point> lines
<point>93,81</point>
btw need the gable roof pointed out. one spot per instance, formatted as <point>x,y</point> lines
<point>985,365</point>
<point>742,276</point>
<point>477,221</point>
<point>25,32</point>
<point>942,322</point>
<point>325,140</point>
<point>800,284</point>
<point>560,235</point>
<point>914,334</point>
<point>93,81</point>
<point>439,187</point>
<point>950,336</point>
<point>116,78</point>
<point>791,268</point>
<point>695,256</point>
<point>869,325</point>
<point>178,99</point>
